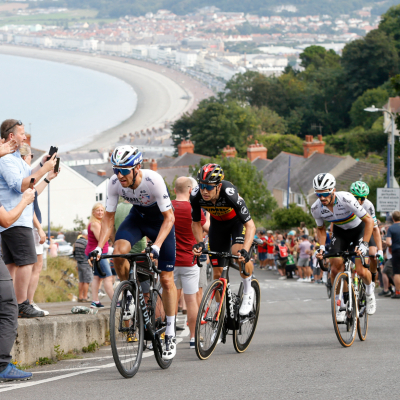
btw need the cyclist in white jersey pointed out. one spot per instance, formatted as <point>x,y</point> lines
<point>360,191</point>
<point>151,216</point>
<point>352,229</point>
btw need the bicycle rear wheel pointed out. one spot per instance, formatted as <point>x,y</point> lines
<point>247,325</point>
<point>362,325</point>
<point>208,330</point>
<point>345,330</point>
<point>126,336</point>
<point>158,319</point>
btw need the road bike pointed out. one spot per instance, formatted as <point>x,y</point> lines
<point>219,311</point>
<point>354,305</point>
<point>147,322</point>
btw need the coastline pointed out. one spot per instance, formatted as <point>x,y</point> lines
<point>161,95</point>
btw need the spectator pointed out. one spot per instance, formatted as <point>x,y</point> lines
<point>94,228</point>
<point>290,241</point>
<point>53,248</point>
<point>61,236</point>
<point>393,241</point>
<point>302,229</point>
<point>19,252</point>
<point>282,253</point>
<point>387,273</point>
<point>38,234</point>
<point>85,272</point>
<point>303,261</point>
<point>186,273</point>
<point>9,309</point>
<point>270,250</point>
<point>262,250</point>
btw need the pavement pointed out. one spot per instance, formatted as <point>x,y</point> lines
<point>294,355</point>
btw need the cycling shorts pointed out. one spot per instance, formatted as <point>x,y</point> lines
<point>135,227</point>
<point>372,241</point>
<point>343,240</point>
<point>223,235</point>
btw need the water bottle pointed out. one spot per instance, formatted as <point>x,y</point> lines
<point>83,310</point>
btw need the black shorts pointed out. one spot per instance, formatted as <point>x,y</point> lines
<point>372,241</point>
<point>223,235</point>
<point>18,246</point>
<point>396,262</point>
<point>343,240</point>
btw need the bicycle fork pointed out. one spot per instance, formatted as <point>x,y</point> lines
<point>341,294</point>
<point>224,283</point>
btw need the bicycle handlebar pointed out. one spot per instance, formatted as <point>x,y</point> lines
<point>343,254</point>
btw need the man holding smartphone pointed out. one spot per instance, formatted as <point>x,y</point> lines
<point>18,246</point>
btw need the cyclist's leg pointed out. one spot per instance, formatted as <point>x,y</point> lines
<point>219,239</point>
<point>238,232</point>
<point>373,261</point>
<point>339,243</point>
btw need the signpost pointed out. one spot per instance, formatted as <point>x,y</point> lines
<point>388,200</point>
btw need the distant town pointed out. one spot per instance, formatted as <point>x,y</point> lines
<point>205,44</point>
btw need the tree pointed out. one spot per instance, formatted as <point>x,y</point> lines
<point>270,121</point>
<point>284,218</point>
<point>390,24</point>
<point>249,182</point>
<point>377,97</point>
<point>319,57</point>
<point>369,62</point>
<point>214,125</point>
<point>275,143</point>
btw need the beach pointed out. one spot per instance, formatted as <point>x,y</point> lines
<point>163,94</point>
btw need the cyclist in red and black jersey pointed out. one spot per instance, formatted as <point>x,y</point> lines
<point>230,224</point>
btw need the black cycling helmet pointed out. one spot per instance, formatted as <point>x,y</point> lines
<point>210,173</point>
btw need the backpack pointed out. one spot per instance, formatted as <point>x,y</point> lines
<point>290,260</point>
<point>283,251</point>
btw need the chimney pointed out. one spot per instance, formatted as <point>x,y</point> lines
<point>153,165</point>
<point>229,152</point>
<point>28,139</point>
<point>310,146</point>
<point>256,150</point>
<point>186,146</point>
<point>101,172</point>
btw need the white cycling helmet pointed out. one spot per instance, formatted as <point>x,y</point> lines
<point>324,181</point>
<point>126,156</point>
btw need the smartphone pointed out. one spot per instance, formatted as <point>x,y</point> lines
<point>53,149</point>
<point>57,166</point>
<point>31,183</point>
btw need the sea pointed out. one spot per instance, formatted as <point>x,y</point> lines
<point>61,105</point>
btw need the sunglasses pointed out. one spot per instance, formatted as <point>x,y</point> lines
<point>12,126</point>
<point>122,171</point>
<point>29,155</point>
<point>207,187</point>
<point>360,198</point>
<point>323,194</point>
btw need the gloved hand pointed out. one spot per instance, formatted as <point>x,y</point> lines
<point>96,253</point>
<point>379,255</point>
<point>245,255</point>
<point>155,250</point>
<point>199,247</point>
<point>363,247</point>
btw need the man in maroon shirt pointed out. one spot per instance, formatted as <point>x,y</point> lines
<point>186,273</point>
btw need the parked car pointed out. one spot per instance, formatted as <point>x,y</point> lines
<point>64,248</point>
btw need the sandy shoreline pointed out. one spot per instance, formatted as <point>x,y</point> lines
<point>163,94</point>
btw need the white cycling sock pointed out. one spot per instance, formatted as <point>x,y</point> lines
<point>246,285</point>
<point>170,331</point>
<point>369,289</point>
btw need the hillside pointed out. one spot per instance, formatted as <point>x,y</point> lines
<point>120,8</point>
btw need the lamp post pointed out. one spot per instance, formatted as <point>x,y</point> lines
<point>390,161</point>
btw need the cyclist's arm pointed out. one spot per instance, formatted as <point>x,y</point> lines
<point>321,235</point>
<point>377,237</point>
<point>197,230</point>
<point>369,226</point>
<point>106,229</point>
<point>249,235</point>
<point>166,227</point>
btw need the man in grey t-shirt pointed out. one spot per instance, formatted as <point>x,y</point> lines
<point>303,262</point>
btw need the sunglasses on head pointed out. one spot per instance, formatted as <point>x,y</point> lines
<point>360,198</point>
<point>207,187</point>
<point>122,171</point>
<point>12,126</point>
<point>323,194</point>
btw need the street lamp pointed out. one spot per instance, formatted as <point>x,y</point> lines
<point>390,161</point>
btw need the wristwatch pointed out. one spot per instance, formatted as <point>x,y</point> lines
<point>46,180</point>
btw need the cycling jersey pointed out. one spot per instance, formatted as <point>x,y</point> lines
<point>150,198</point>
<point>347,212</point>
<point>370,209</point>
<point>228,206</point>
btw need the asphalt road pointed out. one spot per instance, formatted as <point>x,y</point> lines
<point>294,355</point>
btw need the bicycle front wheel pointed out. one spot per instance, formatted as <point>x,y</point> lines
<point>344,319</point>
<point>247,325</point>
<point>208,329</point>
<point>126,336</point>
<point>158,319</point>
<point>362,325</point>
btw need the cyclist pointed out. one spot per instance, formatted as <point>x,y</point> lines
<point>352,227</point>
<point>230,223</point>
<point>360,191</point>
<point>151,216</point>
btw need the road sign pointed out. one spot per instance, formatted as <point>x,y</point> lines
<point>388,200</point>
